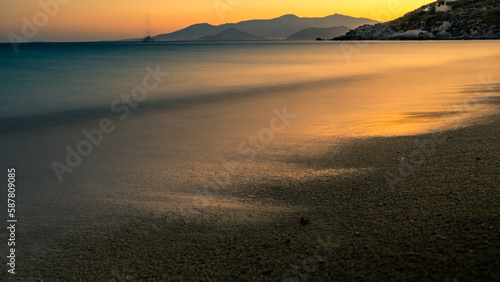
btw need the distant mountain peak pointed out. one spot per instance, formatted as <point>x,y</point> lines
<point>272,29</point>
<point>288,16</point>
<point>202,24</point>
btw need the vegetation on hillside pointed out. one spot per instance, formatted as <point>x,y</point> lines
<point>468,19</point>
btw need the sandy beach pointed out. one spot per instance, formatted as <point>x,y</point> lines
<point>438,222</point>
<point>250,140</point>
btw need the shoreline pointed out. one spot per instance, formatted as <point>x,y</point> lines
<point>439,223</point>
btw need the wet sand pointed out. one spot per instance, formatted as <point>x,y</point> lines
<point>397,210</point>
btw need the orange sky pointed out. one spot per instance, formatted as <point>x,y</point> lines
<point>84,20</point>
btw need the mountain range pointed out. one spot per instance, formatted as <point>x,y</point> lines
<point>319,32</point>
<point>440,20</point>
<point>230,34</point>
<point>273,29</point>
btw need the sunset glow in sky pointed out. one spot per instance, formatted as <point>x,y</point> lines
<point>87,20</point>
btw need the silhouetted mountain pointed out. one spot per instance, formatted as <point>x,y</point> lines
<point>441,20</point>
<point>314,32</point>
<point>229,35</point>
<point>278,28</point>
<point>193,32</point>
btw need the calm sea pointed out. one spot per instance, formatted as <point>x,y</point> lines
<point>260,105</point>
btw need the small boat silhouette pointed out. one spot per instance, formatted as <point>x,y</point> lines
<point>149,37</point>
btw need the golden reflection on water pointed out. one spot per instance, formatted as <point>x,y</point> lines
<point>407,123</point>
<point>407,101</point>
<point>400,123</point>
<point>388,89</point>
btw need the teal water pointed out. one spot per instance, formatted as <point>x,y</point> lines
<point>166,146</point>
<point>50,78</point>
